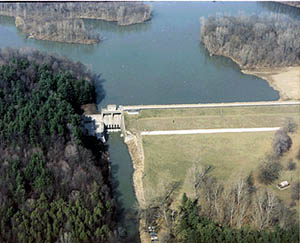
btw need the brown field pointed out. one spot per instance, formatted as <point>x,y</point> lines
<point>170,158</point>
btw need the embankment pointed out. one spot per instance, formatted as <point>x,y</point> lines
<point>135,148</point>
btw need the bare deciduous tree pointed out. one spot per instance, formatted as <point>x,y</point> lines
<point>253,41</point>
<point>281,142</point>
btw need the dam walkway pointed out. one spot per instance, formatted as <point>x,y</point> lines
<point>209,105</point>
<point>205,131</point>
<point>111,118</point>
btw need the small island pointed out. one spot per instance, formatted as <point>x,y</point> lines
<point>63,22</point>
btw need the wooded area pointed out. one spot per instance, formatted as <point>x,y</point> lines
<point>57,29</point>
<point>253,41</point>
<point>63,21</point>
<point>54,180</point>
<point>240,213</point>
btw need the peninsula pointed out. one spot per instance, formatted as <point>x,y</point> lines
<point>63,22</point>
<point>267,47</point>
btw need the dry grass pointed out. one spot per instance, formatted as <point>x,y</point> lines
<point>197,118</point>
<point>288,175</point>
<point>286,80</point>
<point>170,158</point>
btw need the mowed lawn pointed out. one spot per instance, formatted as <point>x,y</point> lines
<point>170,158</point>
<point>201,118</point>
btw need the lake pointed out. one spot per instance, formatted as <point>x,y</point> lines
<point>158,62</point>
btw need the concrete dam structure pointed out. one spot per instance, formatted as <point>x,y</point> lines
<point>110,119</point>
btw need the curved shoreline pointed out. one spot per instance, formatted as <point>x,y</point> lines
<point>275,78</point>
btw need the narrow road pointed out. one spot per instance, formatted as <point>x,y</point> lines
<point>210,105</point>
<point>200,131</point>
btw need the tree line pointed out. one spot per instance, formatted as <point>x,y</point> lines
<point>124,13</point>
<point>57,28</point>
<point>55,181</point>
<point>63,22</point>
<point>253,41</point>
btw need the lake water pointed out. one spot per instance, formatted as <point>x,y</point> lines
<point>158,62</point>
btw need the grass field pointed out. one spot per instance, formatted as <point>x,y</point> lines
<point>197,118</point>
<point>170,158</point>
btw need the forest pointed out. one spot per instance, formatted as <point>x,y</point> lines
<point>63,22</point>
<point>55,181</point>
<point>241,213</point>
<point>192,227</point>
<point>253,41</point>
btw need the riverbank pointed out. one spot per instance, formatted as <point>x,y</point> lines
<point>135,148</point>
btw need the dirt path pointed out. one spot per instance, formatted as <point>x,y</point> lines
<point>199,131</point>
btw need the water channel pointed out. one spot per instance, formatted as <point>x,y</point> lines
<point>158,62</point>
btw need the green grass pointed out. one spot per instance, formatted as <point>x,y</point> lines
<point>197,118</point>
<point>169,158</point>
<point>231,155</point>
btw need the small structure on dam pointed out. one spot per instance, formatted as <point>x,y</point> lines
<point>109,120</point>
<point>112,118</point>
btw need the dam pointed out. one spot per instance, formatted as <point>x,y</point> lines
<point>111,117</point>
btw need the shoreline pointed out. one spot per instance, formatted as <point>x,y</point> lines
<point>135,149</point>
<point>45,38</point>
<point>275,77</point>
<point>136,152</point>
